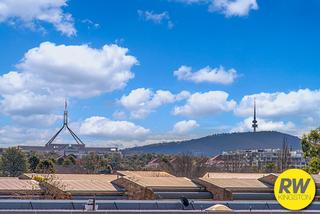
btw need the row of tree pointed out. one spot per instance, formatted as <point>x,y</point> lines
<point>311,148</point>
<point>14,162</point>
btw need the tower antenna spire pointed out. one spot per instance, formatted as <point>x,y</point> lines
<point>65,114</point>
<point>254,122</point>
<point>65,126</point>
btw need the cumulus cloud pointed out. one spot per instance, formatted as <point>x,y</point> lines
<point>36,120</point>
<point>77,70</point>
<point>227,7</point>
<point>201,104</point>
<point>49,73</point>
<point>12,135</point>
<point>233,7</point>
<point>266,125</point>
<point>185,126</point>
<point>303,102</point>
<point>299,108</point>
<point>119,115</point>
<point>32,13</point>
<point>104,127</point>
<point>28,103</point>
<point>206,74</point>
<point>142,101</point>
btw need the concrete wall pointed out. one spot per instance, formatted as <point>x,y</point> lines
<point>135,191</point>
<point>219,194</point>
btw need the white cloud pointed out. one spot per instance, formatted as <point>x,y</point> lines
<point>103,127</point>
<point>156,18</point>
<point>185,126</point>
<point>303,102</point>
<point>12,135</point>
<point>266,125</point>
<point>206,74</point>
<point>36,120</point>
<point>234,7</point>
<point>227,7</point>
<point>300,108</point>
<point>50,73</point>
<point>182,95</point>
<point>201,104</point>
<point>32,13</point>
<point>77,70</point>
<point>29,109</point>
<point>119,115</point>
<point>141,101</point>
<point>27,103</point>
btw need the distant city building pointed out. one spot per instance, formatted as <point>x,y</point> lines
<point>67,149</point>
<point>78,148</point>
<point>259,159</point>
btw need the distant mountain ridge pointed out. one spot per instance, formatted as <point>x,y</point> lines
<point>215,144</point>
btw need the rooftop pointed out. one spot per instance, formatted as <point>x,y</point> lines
<point>144,174</point>
<point>234,175</point>
<point>168,182</point>
<point>11,184</point>
<point>235,184</point>
<point>80,183</point>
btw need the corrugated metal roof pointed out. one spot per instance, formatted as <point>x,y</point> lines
<point>105,177</point>
<point>271,178</point>
<point>92,186</point>
<point>16,184</point>
<point>234,175</point>
<point>144,174</point>
<point>166,182</point>
<point>81,183</point>
<point>236,183</point>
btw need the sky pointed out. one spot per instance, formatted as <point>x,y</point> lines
<point>139,72</point>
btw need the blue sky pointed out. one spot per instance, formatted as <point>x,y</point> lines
<point>137,72</point>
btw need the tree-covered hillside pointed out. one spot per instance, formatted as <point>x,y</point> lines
<point>215,144</point>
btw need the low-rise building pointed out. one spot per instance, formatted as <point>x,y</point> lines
<point>243,186</point>
<point>78,150</point>
<point>151,185</point>
<point>236,186</point>
<point>143,185</point>
<point>15,188</point>
<point>81,186</point>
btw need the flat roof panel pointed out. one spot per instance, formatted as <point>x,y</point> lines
<point>144,173</point>
<point>235,182</point>
<point>16,184</point>
<point>172,182</point>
